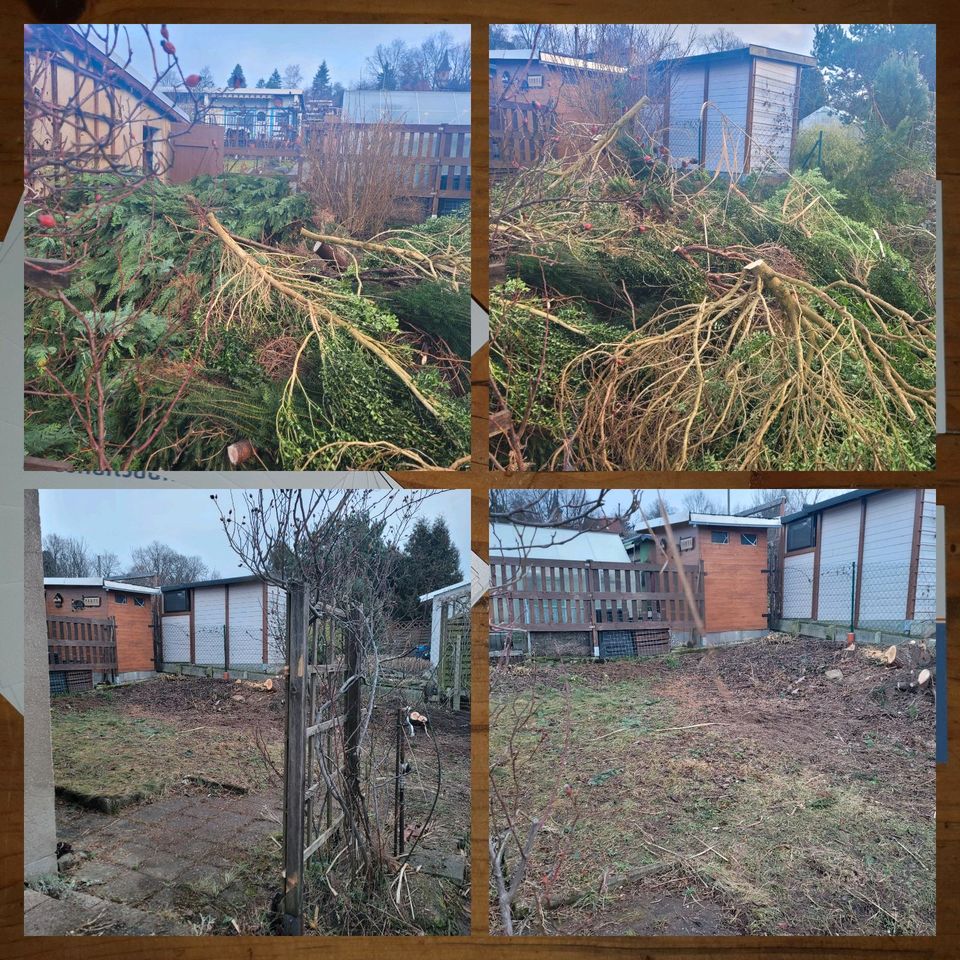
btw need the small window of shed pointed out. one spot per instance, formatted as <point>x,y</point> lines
<point>802,533</point>
<point>138,601</point>
<point>176,601</point>
<point>120,598</point>
<point>748,539</point>
<point>719,536</point>
<point>535,81</point>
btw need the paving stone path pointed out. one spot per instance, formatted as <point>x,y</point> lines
<point>180,865</point>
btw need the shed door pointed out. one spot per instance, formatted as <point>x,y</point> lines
<point>774,93</point>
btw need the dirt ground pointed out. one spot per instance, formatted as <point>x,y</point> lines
<point>171,806</point>
<point>735,790</point>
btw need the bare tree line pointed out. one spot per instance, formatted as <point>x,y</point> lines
<point>159,562</point>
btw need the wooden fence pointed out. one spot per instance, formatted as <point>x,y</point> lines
<point>535,595</point>
<point>520,135</point>
<point>77,643</point>
<point>437,156</point>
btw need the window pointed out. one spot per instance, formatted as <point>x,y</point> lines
<point>505,77</point>
<point>686,543</point>
<point>719,536</point>
<point>535,81</point>
<point>176,601</point>
<point>802,533</point>
<point>138,601</point>
<point>120,598</point>
<point>748,539</point>
<point>58,600</point>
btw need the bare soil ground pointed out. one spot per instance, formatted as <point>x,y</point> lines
<point>172,802</point>
<point>763,797</point>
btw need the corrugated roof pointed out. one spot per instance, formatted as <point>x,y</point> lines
<point>716,520</point>
<point>98,583</point>
<point>406,106</point>
<point>556,543</point>
<point>557,59</point>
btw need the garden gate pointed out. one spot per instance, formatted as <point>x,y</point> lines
<point>321,776</point>
<point>453,670</point>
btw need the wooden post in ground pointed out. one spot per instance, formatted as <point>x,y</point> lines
<point>293,796</point>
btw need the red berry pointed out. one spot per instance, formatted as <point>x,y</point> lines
<point>647,158</point>
<point>192,80</point>
<point>164,32</point>
<point>168,47</point>
<point>46,220</point>
<point>98,197</point>
<point>588,226</point>
<point>642,229</point>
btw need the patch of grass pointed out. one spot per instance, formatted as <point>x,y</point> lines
<point>105,755</point>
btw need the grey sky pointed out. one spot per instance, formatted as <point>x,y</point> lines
<point>794,37</point>
<point>739,499</point>
<point>187,520</point>
<point>261,48</point>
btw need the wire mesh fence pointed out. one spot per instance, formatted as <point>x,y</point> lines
<point>890,597</point>
<point>213,645</point>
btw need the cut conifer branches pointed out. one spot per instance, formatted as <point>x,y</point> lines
<point>199,317</point>
<point>649,315</point>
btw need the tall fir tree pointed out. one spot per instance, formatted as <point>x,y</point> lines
<point>320,87</point>
<point>430,561</point>
<point>275,81</point>
<point>236,78</point>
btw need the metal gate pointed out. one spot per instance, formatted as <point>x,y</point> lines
<point>321,781</point>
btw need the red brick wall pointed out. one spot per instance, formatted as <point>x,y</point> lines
<point>735,588</point>
<point>134,630</point>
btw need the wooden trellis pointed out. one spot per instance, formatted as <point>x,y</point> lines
<point>322,723</point>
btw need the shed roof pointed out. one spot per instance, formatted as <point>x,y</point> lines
<point>222,581</point>
<point>100,583</point>
<point>716,520</point>
<point>556,59</point>
<point>809,508</point>
<point>407,106</point>
<point>750,50</point>
<point>556,543</point>
<point>462,587</point>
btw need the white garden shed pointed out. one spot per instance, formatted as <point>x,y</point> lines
<point>734,111</point>
<point>233,623</point>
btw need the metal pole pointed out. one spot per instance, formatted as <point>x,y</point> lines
<point>853,594</point>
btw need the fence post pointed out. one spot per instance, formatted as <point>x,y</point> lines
<point>293,796</point>
<point>457,671</point>
<point>594,635</point>
<point>351,720</point>
<point>853,595</point>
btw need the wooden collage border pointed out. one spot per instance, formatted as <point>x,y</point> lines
<point>478,480</point>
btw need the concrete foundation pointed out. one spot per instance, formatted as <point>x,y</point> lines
<point>724,637</point>
<point>134,676</point>
<point>238,672</point>
<point>838,633</point>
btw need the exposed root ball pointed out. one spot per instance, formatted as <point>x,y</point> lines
<point>767,375</point>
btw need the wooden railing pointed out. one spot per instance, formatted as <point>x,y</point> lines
<point>79,643</point>
<point>565,595</point>
<point>437,155</point>
<point>520,135</point>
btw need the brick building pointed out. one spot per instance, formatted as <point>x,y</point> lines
<point>733,553</point>
<point>134,609</point>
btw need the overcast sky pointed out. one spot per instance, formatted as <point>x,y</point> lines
<point>188,521</point>
<point>793,37</point>
<point>617,500</point>
<point>259,48</point>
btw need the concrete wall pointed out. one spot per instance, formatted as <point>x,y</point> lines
<point>39,821</point>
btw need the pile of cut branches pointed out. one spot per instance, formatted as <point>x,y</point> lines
<point>208,318</point>
<point>650,315</point>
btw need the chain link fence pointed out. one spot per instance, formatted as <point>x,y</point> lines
<point>889,597</point>
<point>212,646</point>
